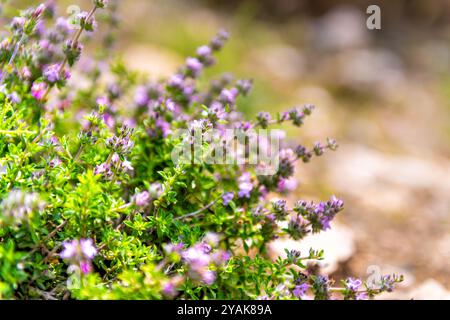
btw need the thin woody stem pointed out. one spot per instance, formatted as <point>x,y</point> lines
<point>196,212</point>
<point>75,39</point>
<point>48,237</point>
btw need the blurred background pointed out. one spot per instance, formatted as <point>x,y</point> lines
<point>383,94</point>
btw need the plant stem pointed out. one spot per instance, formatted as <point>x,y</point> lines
<point>16,50</point>
<point>196,212</point>
<point>75,39</point>
<point>48,237</point>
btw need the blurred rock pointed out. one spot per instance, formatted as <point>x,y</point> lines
<point>389,181</point>
<point>429,290</point>
<point>338,245</point>
<point>344,27</point>
<point>370,69</point>
<point>284,62</point>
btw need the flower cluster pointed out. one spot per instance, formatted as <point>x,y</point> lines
<point>199,259</point>
<point>319,215</point>
<point>18,206</point>
<point>99,150</point>
<point>79,253</point>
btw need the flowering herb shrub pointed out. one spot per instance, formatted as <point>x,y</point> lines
<point>92,205</point>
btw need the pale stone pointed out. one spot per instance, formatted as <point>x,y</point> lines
<point>338,245</point>
<point>429,290</point>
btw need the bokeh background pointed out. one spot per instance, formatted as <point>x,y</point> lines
<point>383,94</point>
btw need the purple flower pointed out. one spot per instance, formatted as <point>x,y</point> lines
<point>218,41</point>
<point>14,97</point>
<point>54,162</point>
<point>78,250</point>
<point>85,267</point>
<point>353,284</point>
<point>194,66</point>
<point>220,257</point>
<point>169,289</point>
<point>142,199</point>
<point>300,290</point>
<point>296,116</point>
<point>141,97</point>
<point>38,90</point>
<point>286,163</point>
<point>244,125</point>
<point>208,277</point>
<point>361,296</point>
<point>245,185</point>
<point>204,51</point>
<point>25,73</point>
<point>126,165</point>
<point>103,101</point>
<point>217,111</point>
<point>109,120</point>
<point>87,248</point>
<point>228,96</point>
<point>38,11</point>
<point>196,257</point>
<point>156,189</point>
<point>102,168</point>
<point>164,126</point>
<point>79,253</point>
<point>176,81</point>
<point>244,86</point>
<point>286,185</point>
<point>227,197</point>
<point>174,248</point>
<point>51,73</point>
<point>263,119</point>
<point>279,206</point>
<point>18,206</point>
<point>387,283</point>
<point>62,26</point>
<point>318,149</point>
<point>17,23</point>
<point>171,105</point>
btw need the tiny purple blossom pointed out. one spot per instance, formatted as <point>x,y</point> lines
<point>176,81</point>
<point>228,96</point>
<point>38,11</point>
<point>85,267</point>
<point>38,90</point>
<point>287,185</point>
<point>204,51</point>
<point>87,248</point>
<point>102,101</point>
<point>227,197</point>
<point>245,185</point>
<point>51,73</point>
<point>141,97</point>
<point>353,284</point>
<point>169,289</point>
<point>194,66</point>
<point>101,168</point>
<point>209,277</point>
<point>164,126</point>
<point>300,290</point>
<point>78,250</point>
<point>361,296</point>
<point>142,199</point>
